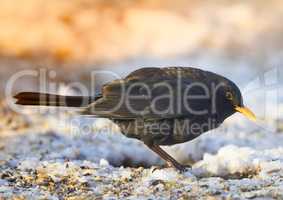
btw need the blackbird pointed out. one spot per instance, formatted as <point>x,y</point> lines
<point>159,106</point>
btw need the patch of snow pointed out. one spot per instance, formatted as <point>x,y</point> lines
<point>241,160</point>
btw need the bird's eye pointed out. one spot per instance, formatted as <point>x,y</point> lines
<point>229,96</point>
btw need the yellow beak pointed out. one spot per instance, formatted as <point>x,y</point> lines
<point>247,112</point>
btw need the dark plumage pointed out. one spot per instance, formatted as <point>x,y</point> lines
<point>159,106</point>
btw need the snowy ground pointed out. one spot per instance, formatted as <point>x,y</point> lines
<point>43,156</point>
<point>62,156</point>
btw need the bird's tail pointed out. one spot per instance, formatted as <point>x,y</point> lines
<point>45,99</point>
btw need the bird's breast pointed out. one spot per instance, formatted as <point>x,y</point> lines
<point>166,131</point>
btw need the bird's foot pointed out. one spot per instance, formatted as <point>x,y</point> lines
<point>157,168</point>
<point>181,168</point>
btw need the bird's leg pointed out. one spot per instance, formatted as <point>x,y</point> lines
<point>167,158</point>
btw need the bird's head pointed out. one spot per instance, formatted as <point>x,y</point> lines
<point>234,101</point>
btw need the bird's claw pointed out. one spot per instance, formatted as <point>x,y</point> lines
<point>181,168</point>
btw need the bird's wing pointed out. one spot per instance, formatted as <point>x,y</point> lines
<point>149,93</point>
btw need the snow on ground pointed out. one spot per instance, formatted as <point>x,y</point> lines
<point>50,160</point>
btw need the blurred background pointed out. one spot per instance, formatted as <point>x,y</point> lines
<point>242,40</point>
<point>77,36</point>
